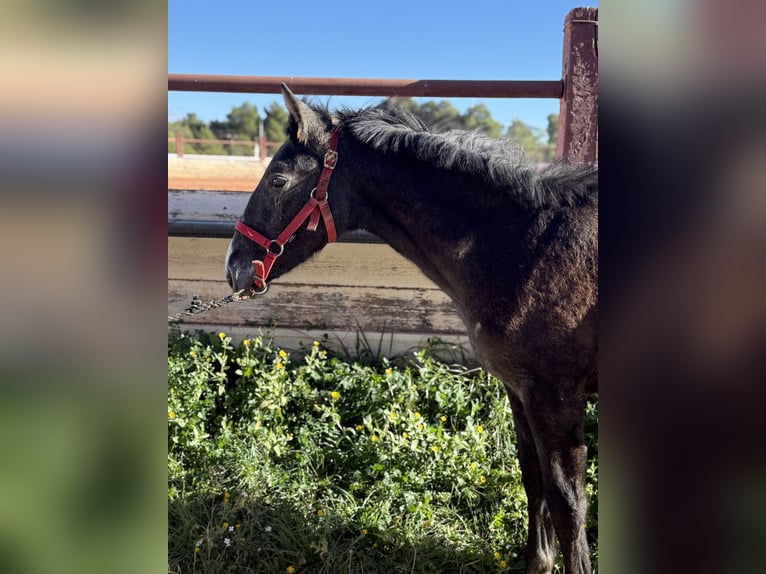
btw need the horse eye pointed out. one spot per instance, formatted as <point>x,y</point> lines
<point>278,181</point>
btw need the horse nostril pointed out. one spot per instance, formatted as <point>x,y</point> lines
<point>238,278</point>
<point>232,276</point>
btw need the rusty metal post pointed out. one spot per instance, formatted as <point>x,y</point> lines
<point>578,113</point>
<point>179,144</point>
<point>262,146</point>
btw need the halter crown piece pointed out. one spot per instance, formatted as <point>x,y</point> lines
<point>315,206</point>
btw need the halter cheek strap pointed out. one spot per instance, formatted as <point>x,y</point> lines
<point>315,207</point>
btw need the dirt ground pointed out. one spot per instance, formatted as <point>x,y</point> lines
<point>225,173</point>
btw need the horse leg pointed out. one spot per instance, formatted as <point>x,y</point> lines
<point>541,549</point>
<point>557,423</point>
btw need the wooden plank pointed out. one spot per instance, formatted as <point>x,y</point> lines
<point>341,308</point>
<point>450,348</point>
<point>206,205</point>
<point>350,264</point>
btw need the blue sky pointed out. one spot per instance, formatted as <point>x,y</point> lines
<point>415,39</point>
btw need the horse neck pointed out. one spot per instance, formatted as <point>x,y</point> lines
<point>423,212</point>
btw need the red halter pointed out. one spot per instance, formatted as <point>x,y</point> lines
<point>315,206</point>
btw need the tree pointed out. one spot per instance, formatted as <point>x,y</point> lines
<point>242,123</point>
<point>275,125</point>
<point>553,129</point>
<point>245,121</point>
<point>194,128</point>
<point>405,103</point>
<point>522,134</point>
<point>549,150</point>
<point>443,116</point>
<point>529,139</point>
<point>440,116</point>
<point>479,118</point>
<point>173,129</point>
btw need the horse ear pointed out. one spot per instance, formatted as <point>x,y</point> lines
<point>310,128</point>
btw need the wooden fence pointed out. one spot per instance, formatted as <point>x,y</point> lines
<point>358,285</point>
<point>260,143</point>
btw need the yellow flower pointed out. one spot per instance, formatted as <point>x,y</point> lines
<point>444,419</point>
<point>503,564</point>
<point>222,335</point>
<point>226,495</point>
<point>417,415</point>
<point>405,435</point>
<point>225,524</point>
<point>237,525</point>
<point>335,395</point>
<point>389,371</point>
<point>393,416</point>
<point>290,569</point>
<point>374,438</point>
<point>420,426</point>
<point>482,479</point>
<point>435,448</point>
<point>364,531</point>
<point>193,353</point>
<point>359,427</point>
<point>280,365</point>
<point>172,414</point>
<point>196,549</point>
<point>473,466</point>
<point>246,342</point>
<point>316,343</point>
<point>282,353</point>
<point>497,555</point>
<point>320,512</point>
<point>323,353</point>
<point>480,429</point>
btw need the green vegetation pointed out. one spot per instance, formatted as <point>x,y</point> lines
<point>531,139</point>
<point>305,462</point>
<point>243,123</point>
<point>194,128</point>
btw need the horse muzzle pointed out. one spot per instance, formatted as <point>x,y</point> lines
<point>240,274</point>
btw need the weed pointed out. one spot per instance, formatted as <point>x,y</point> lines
<point>310,461</point>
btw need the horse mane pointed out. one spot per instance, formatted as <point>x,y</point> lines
<point>501,163</point>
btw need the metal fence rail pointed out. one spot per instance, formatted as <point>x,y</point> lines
<point>368,86</point>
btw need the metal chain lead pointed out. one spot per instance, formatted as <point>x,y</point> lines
<point>197,306</point>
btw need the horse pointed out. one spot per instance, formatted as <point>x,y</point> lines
<point>512,244</point>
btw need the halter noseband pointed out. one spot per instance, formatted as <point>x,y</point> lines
<point>315,206</point>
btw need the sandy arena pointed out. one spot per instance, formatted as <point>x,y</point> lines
<point>226,173</point>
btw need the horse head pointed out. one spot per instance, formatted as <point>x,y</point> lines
<point>294,190</point>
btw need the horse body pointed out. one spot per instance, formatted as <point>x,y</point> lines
<point>515,248</point>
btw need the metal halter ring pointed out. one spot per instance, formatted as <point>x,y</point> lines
<point>261,291</point>
<point>276,253</point>
<point>314,192</point>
